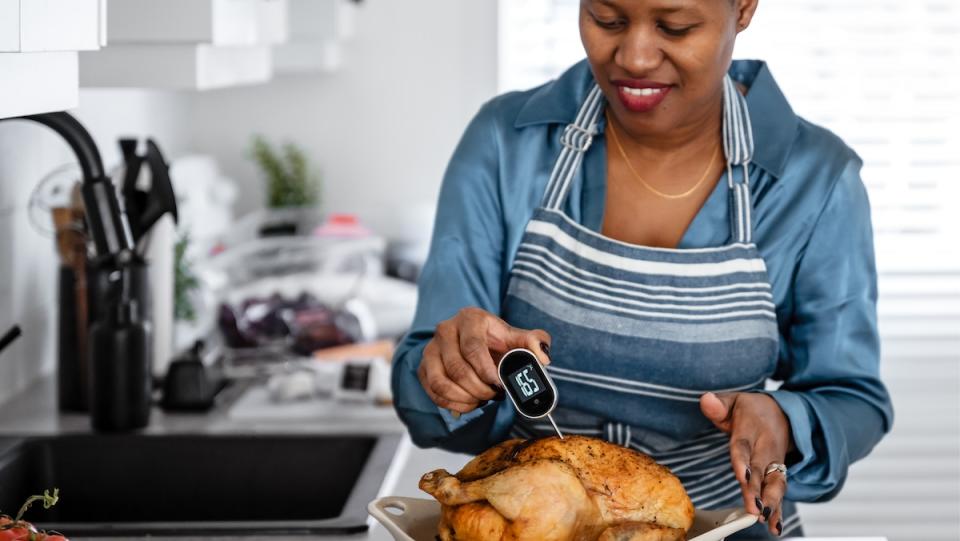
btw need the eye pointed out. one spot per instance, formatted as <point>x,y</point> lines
<point>608,24</point>
<point>675,31</point>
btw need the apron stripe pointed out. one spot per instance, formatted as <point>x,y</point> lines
<point>704,488</point>
<point>586,317</point>
<point>613,308</point>
<point>540,275</point>
<point>642,392</point>
<point>728,486</point>
<point>694,393</point>
<point>712,453</point>
<point>709,441</point>
<point>560,237</point>
<point>727,499</point>
<point>535,251</point>
<point>595,283</point>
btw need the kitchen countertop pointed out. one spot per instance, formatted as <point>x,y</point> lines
<point>34,412</point>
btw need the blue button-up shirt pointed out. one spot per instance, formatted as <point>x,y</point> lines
<point>811,225</point>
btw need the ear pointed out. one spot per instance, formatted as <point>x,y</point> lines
<point>744,13</point>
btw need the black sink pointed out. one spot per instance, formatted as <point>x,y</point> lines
<point>195,484</point>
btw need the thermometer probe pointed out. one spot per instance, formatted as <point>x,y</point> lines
<point>528,385</point>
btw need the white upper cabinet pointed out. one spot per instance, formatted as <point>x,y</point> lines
<point>29,26</point>
<point>32,83</point>
<point>187,44</point>
<point>176,66</point>
<point>317,30</point>
<point>214,22</point>
<point>39,40</point>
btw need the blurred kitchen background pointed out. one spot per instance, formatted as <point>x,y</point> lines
<point>358,106</point>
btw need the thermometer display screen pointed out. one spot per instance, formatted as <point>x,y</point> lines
<point>526,383</point>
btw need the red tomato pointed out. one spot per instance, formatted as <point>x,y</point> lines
<point>22,532</point>
<point>13,534</point>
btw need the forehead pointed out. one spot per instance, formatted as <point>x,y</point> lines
<point>661,6</point>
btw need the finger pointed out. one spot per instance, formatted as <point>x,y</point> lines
<point>473,346</point>
<point>776,521</point>
<point>741,448</point>
<point>538,341</point>
<point>774,487</point>
<point>458,407</point>
<point>502,337</point>
<point>463,372</point>
<point>718,408</point>
<point>437,383</point>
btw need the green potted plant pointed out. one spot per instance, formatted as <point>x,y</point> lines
<point>291,181</point>
<point>292,186</point>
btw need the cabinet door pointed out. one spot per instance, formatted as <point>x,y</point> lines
<point>51,25</point>
<point>32,83</point>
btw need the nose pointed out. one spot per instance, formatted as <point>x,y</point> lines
<point>639,53</point>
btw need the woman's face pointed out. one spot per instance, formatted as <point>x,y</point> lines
<point>661,63</point>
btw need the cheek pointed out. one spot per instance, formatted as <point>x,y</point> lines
<point>701,60</point>
<point>596,44</point>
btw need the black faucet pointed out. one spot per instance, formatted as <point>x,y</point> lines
<point>119,341</point>
<point>106,219</point>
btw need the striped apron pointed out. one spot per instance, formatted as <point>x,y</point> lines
<point>639,333</point>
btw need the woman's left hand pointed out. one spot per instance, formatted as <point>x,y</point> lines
<point>759,436</point>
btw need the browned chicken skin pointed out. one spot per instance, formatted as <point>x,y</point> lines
<point>575,489</point>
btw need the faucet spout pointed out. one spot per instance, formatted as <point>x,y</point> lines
<point>108,223</point>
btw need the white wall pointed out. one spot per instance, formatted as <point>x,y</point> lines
<point>382,127</point>
<point>28,263</point>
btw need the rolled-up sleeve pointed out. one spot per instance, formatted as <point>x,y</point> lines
<point>464,268</point>
<point>832,394</point>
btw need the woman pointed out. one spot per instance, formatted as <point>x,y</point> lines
<point>662,229</point>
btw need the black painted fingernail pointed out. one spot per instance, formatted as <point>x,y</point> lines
<point>758,503</point>
<point>779,528</point>
<point>545,347</point>
<point>748,474</point>
<point>766,513</point>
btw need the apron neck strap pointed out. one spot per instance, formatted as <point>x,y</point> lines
<point>575,140</point>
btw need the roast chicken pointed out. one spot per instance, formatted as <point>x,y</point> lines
<point>574,489</point>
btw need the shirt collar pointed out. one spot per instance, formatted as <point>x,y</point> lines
<point>773,120</point>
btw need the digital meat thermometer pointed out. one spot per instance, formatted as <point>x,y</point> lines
<point>528,385</point>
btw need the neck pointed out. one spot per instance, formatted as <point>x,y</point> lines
<point>701,133</point>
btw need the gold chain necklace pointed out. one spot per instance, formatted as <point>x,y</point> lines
<point>623,153</point>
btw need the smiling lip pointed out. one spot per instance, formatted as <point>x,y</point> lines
<point>641,96</point>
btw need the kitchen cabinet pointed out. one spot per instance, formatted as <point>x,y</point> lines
<point>317,29</point>
<point>307,57</point>
<point>214,22</point>
<point>51,25</point>
<point>39,41</point>
<point>33,83</point>
<point>176,66</point>
<point>187,44</point>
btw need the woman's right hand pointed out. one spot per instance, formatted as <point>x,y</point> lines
<point>458,370</point>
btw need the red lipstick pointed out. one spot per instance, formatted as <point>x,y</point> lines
<point>641,95</point>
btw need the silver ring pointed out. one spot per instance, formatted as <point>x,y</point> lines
<point>782,468</point>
